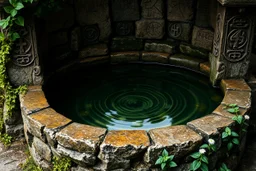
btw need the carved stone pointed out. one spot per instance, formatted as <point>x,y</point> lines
<point>180,10</point>
<point>152,9</point>
<point>202,38</point>
<point>94,12</point>
<point>124,28</point>
<point>150,29</point>
<point>179,31</point>
<point>125,10</point>
<point>25,68</point>
<point>232,43</point>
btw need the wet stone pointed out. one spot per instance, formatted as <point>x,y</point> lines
<point>155,57</point>
<point>180,10</point>
<point>119,147</point>
<point>235,84</point>
<point>125,57</point>
<point>185,61</point>
<point>94,50</point>
<point>164,47</point>
<point>150,29</point>
<point>205,68</point>
<point>241,98</point>
<point>33,101</point>
<point>80,137</point>
<point>152,9</point>
<point>202,38</point>
<point>94,12</point>
<point>211,126</point>
<point>179,31</point>
<point>126,44</point>
<point>42,149</point>
<point>220,110</point>
<point>125,10</point>
<point>178,140</point>
<point>193,51</point>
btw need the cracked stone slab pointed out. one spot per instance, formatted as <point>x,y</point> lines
<point>33,101</point>
<point>234,84</point>
<point>241,98</point>
<point>42,149</point>
<point>211,126</point>
<point>178,140</point>
<point>80,137</point>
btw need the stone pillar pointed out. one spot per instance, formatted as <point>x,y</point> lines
<point>25,67</point>
<point>232,41</point>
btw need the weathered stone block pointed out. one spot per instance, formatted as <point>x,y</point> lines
<point>185,61</point>
<point>193,51</point>
<point>119,147</point>
<point>94,50</point>
<point>42,149</point>
<point>78,157</point>
<point>178,140</point>
<point>150,29</point>
<point>125,10</point>
<point>211,126</point>
<point>75,39</point>
<point>58,38</point>
<point>155,57</point>
<point>179,31</point>
<point>205,68</point>
<point>152,9</point>
<point>62,19</point>
<point>126,44</point>
<point>125,28</point>
<point>202,38</point>
<point>234,84</point>
<point>180,10</point>
<point>33,101</point>
<point>95,60</point>
<point>161,46</point>
<point>125,57</point>
<point>203,13</point>
<point>94,12</point>
<point>80,137</point>
<point>223,112</point>
<point>241,98</point>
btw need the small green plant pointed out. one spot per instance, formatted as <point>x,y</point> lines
<point>232,108</point>
<point>6,139</point>
<point>165,160</point>
<point>30,165</point>
<point>210,147</point>
<point>61,164</point>
<point>224,167</point>
<point>200,162</point>
<point>230,137</point>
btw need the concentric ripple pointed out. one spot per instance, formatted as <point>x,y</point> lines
<point>136,96</point>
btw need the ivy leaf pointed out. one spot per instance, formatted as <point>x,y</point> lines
<point>239,119</point>
<point>4,23</point>
<point>195,155</point>
<point>234,134</point>
<point>232,110</point>
<point>159,160</point>
<point>163,166</point>
<point>196,164</point>
<point>204,159</point>
<point>205,146</point>
<point>230,146</point>
<point>228,130</point>
<point>20,21</point>
<point>12,2</point>
<point>8,9</point>
<point>224,135</point>
<point>235,141</point>
<point>232,105</point>
<point>18,6</point>
<point>204,167</point>
<point>15,36</point>
<point>2,37</point>
<point>171,157</point>
<point>173,164</point>
<point>164,153</point>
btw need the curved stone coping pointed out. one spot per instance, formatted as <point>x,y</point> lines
<point>49,133</point>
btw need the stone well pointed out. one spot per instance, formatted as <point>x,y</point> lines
<point>214,37</point>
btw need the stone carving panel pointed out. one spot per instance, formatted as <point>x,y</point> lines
<point>125,10</point>
<point>202,38</point>
<point>179,31</point>
<point>94,12</point>
<point>152,9</point>
<point>90,34</point>
<point>124,28</point>
<point>150,29</point>
<point>180,10</point>
<point>216,42</point>
<point>238,35</point>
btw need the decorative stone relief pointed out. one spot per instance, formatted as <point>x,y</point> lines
<point>150,29</point>
<point>179,31</point>
<point>216,42</point>
<point>152,9</point>
<point>90,34</point>
<point>124,28</point>
<point>202,37</point>
<point>180,10</point>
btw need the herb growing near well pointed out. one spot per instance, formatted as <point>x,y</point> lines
<point>61,164</point>
<point>166,161</point>
<point>224,167</point>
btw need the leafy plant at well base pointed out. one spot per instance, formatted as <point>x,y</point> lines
<point>224,167</point>
<point>230,137</point>
<point>165,160</point>
<point>61,164</point>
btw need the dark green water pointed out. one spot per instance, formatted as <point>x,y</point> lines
<point>135,96</point>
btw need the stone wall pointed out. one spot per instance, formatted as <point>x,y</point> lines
<point>86,29</point>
